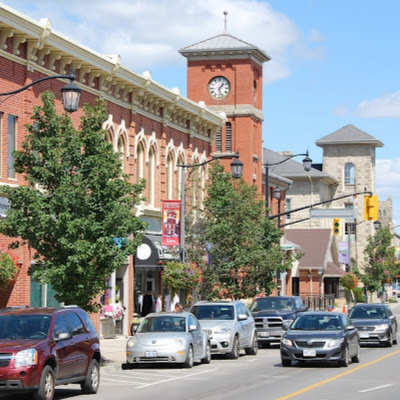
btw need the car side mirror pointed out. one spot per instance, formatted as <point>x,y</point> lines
<point>192,328</point>
<point>350,328</point>
<point>303,308</point>
<point>242,317</point>
<point>64,336</point>
<point>391,317</point>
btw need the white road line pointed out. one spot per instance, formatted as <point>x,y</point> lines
<point>375,388</point>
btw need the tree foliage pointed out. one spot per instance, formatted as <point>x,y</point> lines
<point>380,261</point>
<point>244,251</point>
<point>76,204</point>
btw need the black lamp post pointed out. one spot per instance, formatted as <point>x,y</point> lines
<point>70,93</point>
<point>278,196</point>
<point>306,165</point>
<point>236,168</point>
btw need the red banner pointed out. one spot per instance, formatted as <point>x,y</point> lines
<point>171,222</point>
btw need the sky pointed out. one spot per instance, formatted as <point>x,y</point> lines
<point>333,62</point>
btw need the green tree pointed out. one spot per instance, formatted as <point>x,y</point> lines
<point>76,211</point>
<point>380,261</point>
<point>244,252</point>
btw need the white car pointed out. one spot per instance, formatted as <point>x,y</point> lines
<point>230,326</point>
<point>168,338</point>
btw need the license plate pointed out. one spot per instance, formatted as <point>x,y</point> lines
<point>151,354</point>
<point>263,334</point>
<point>364,335</point>
<point>309,353</point>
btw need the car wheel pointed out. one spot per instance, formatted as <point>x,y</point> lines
<point>234,353</point>
<point>356,357</point>
<point>345,361</point>
<point>207,358</point>
<point>389,343</point>
<point>286,363</point>
<point>92,380</point>
<point>395,339</point>
<point>189,358</point>
<point>253,349</point>
<point>46,388</point>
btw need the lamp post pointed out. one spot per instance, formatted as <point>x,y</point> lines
<point>70,93</point>
<point>278,195</point>
<point>236,168</point>
<point>306,165</point>
<point>320,275</point>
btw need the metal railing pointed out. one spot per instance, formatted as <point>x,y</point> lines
<point>316,302</point>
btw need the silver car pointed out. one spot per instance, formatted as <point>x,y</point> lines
<point>169,338</point>
<point>230,326</point>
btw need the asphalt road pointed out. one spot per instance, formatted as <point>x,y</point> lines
<point>251,377</point>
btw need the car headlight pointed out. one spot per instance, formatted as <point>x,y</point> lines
<point>223,331</point>
<point>287,342</point>
<point>381,328</point>
<point>179,341</point>
<point>335,343</point>
<point>26,358</point>
<point>131,342</point>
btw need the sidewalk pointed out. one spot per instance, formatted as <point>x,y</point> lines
<point>113,352</point>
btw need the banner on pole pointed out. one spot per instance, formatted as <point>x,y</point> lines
<point>343,250</point>
<point>171,222</point>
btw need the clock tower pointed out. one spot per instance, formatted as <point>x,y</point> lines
<point>226,73</point>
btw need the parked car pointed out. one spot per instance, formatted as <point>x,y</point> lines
<point>321,336</point>
<point>169,338</point>
<point>271,313</point>
<point>375,322</point>
<point>230,326</point>
<point>44,347</point>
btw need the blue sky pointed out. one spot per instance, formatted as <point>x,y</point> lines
<point>334,62</point>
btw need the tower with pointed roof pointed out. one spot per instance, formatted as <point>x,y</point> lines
<point>226,73</point>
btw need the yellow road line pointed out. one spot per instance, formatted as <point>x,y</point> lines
<point>289,396</point>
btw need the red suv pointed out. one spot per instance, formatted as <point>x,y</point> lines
<point>41,348</point>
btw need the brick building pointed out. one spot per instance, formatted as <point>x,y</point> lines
<point>154,128</point>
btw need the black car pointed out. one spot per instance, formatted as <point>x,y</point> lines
<point>271,313</point>
<point>376,323</point>
<point>321,336</point>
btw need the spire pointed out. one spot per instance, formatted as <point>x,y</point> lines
<point>225,22</point>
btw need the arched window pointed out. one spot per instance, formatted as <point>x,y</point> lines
<point>170,176</point>
<point>140,161</point>
<point>108,137</point>
<point>122,153</point>
<point>179,181</point>
<point>152,176</point>
<point>218,140</point>
<point>349,174</point>
<point>228,136</point>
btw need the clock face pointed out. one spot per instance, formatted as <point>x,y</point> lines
<point>219,87</point>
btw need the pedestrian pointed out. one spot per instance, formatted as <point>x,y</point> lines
<point>178,307</point>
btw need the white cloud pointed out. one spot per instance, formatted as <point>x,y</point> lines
<point>387,106</point>
<point>147,33</point>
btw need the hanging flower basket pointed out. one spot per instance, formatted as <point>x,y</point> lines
<point>8,268</point>
<point>177,276</point>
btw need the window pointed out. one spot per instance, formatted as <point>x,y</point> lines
<point>288,207</point>
<point>349,174</point>
<point>139,161</point>
<point>76,324</point>
<point>218,140</point>
<point>122,152</point>
<point>152,174</point>
<point>12,122</point>
<point>61,326</point>
<point>170,176</point>
<point>228,137</point>
<point>180,172</point>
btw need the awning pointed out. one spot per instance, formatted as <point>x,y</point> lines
<point>150,253</point>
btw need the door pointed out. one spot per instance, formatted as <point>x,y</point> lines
<point>197,337</point>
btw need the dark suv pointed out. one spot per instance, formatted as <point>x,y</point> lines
<point>270,313</point>
<point>41,348</point>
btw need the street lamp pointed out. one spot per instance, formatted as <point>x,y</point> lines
<point>377,225</point>
<point>236,168</point>
<point>278,195</point>
<point>306,165</point>
<point>70,93</point>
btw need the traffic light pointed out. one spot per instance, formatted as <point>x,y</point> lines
<point>371,208</point>
<point>336,226</point>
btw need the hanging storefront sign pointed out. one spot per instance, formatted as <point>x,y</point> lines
<point>343,251</point>
<point>171,222</point>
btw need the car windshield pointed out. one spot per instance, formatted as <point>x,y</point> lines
<point>267,303</point>
<point>214,311</point>
<point>317,323</point>
<point>378,312</point>
<point>162,324</point>
<point>24,326</point>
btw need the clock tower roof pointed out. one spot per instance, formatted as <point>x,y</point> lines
<point>226,46</point>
